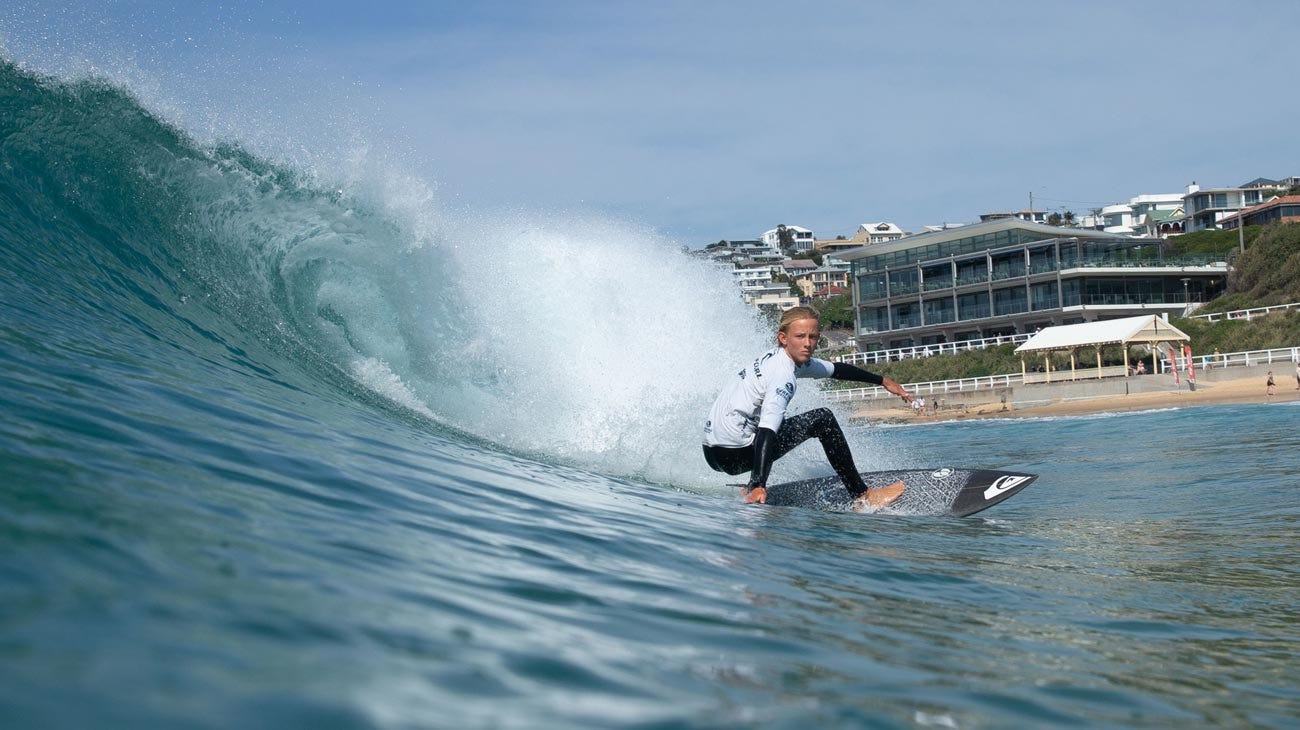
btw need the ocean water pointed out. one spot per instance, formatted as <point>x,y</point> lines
<point>288,447</point>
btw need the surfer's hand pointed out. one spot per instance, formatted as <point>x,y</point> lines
<point>897,390</point>
<point>755,494</point>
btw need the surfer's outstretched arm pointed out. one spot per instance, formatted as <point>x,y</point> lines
<point>845,371</point>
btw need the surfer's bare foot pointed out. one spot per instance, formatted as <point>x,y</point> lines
<point>879,497</point>
<point>757,494</point>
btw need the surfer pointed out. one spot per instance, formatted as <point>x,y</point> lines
<point>747,428</point>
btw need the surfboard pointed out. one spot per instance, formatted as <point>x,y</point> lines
<point>942,491</point>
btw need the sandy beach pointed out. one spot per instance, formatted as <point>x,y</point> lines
<point>1246,389</point>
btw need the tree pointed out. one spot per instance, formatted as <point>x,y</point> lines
<point>1065,218</point>
<point>836,311</point>
<point>785,238</point>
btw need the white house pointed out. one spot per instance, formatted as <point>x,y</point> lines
<point>772,297</point>
<point>752,276</point>
<point>1127,218</point>
<point>803,238</point>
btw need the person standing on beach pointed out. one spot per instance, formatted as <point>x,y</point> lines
<point>1297,376</point>
<point>747,428</point>
<point>1272,387</point>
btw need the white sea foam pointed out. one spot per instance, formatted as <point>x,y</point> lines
<point>566,337</point>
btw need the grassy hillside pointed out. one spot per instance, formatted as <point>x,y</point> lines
<point>1266,273</point>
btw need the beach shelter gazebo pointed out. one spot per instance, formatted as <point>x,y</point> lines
<point>1147,329</point>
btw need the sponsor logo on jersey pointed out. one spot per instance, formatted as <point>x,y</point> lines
<point>1004,484</point>
<point>786,391</point>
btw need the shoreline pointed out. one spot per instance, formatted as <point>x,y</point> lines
<point>1238,391</point>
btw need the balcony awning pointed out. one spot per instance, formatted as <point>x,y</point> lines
<point>1146,328</point>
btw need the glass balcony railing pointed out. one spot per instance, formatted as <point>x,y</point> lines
<point>936,284</point>
<point>1126,263</point>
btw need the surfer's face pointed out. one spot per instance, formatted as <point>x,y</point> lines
<point>800,339</point>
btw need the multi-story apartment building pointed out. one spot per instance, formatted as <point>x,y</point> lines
<point>1205,208</point>
<point>822,280</point>
<point>1009,276</point>
<point>771,298</point>
<point>751,276</point>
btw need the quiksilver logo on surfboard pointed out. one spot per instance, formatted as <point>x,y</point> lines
<point>1003,484</point>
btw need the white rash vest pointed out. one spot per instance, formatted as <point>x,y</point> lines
<point>757,398</point>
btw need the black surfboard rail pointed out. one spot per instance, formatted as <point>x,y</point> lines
<point>947,491</point>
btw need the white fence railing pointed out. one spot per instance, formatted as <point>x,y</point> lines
<point>942,348</point>
<point>964,385</point>
<point>1245,314</point>
<point>1246,359</point>
<point>993,382</point>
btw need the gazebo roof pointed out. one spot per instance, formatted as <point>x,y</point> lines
<point>1146,328</point>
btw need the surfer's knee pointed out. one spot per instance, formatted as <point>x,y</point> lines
<point>824,422</point>
<point>823,416</point>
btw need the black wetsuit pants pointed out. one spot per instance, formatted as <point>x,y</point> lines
<point>819,424</point>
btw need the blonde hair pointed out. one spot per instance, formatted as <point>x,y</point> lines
<point>794,314</point>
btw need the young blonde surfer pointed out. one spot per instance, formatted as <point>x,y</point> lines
<point>748,430</point>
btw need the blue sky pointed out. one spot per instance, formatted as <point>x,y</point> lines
<point>709,120</point>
